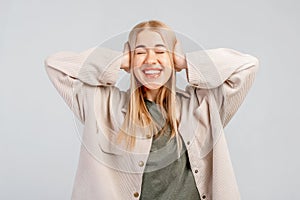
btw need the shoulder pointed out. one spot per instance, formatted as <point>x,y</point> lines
<point>183,93</point>
<point>190,92</point>
<point>194,95</point>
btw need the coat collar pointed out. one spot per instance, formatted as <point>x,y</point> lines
<point>178,92</point>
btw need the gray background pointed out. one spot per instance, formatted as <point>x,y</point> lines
<point>39,147</point>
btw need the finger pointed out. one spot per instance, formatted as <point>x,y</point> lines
<point>125,63</point>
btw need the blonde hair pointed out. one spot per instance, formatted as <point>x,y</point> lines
<point>137,113</point>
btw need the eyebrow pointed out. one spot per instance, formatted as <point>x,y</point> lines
<point>143,46</point>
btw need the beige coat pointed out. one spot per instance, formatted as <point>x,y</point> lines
<point>219,79</point>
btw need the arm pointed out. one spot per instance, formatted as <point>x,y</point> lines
<point>229,74</point>
<point>73,74</point>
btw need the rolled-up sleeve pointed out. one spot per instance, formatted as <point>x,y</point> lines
<point>227,73</point>
<point>73,74</point>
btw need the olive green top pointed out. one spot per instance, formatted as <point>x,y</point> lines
<point>165,177</point>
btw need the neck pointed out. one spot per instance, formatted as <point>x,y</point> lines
<point>151,94</point>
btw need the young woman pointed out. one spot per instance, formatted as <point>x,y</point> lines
<point>154,141</point>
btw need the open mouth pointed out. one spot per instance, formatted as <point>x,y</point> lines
<point>152,73</point>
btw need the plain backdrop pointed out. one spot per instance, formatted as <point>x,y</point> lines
<point>39,148</point>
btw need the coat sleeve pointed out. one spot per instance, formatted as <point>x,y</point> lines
<point>228,74</point>
<point>72,74</point>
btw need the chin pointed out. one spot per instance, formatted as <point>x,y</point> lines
<point>152,86</point>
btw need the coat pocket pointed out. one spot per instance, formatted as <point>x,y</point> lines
<point>107,143</point>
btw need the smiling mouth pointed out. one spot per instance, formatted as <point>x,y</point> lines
<point>152,73</point>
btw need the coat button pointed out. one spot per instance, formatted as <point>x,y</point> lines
<point>188,143</point>
<point>141,163</point>
<point>136,194</point>
<point>196,171</point>
<point>203,196</point>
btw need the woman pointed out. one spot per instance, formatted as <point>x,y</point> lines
<point>154,141</point>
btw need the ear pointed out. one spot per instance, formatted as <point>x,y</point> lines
<point>125,64</point>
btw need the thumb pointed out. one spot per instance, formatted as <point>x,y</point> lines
<point>179,57</point>
<point>125,63</point>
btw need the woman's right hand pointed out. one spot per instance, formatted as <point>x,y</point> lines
<point>125,62</point>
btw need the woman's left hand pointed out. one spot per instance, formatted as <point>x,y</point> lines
<point>179,57</point>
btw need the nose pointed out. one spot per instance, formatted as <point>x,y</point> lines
<point>151,57</point>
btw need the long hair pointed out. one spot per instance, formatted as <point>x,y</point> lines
<point>137,116</point>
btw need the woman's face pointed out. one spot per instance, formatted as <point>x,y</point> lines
<point>151,61</point>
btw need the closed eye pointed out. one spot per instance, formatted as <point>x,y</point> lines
<point>160,50</point>
<point>140,52</point>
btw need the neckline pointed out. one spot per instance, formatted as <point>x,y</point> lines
<point>147,100</point>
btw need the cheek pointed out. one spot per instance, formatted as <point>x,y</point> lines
<point>138,61</point>
<point>137,73</point>
<point>165,60</point>
<point>168,73</point>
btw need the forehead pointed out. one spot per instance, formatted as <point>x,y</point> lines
<point>149,38</point>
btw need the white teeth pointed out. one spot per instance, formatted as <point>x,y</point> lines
<point>152,71</point>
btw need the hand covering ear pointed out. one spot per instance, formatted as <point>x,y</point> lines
<point>179,57</point>
<point>125,64</point>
